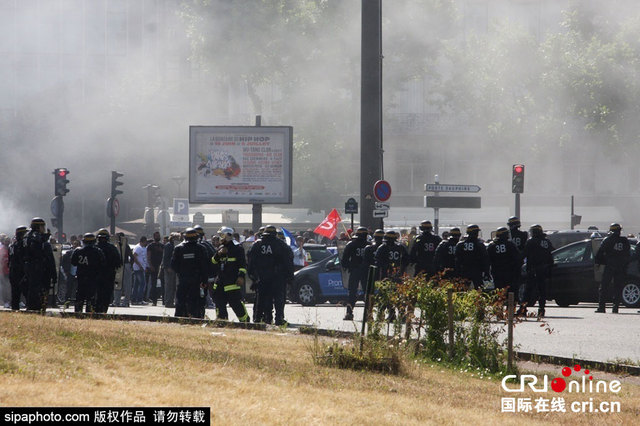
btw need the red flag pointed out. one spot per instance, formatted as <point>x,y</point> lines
<point>329,226</point>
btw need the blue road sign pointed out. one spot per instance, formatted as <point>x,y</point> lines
<point>382,190</point>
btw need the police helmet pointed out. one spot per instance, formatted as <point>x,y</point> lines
<point>455,233</point>
<point>426,225</point>
<point>502,232</point>
<point>390,235</point>
<point>36,222</point>
<point>89,238</point>
<point>199,230</point>
<point>190,234</point>
<point>225,230</point>
<point>615,228</point>
<point>280,233</point>
<point>473,229</point>
<point>21,230</point>
<point>103,233</point>
<point>536,229</point>
<point>513,222</point>
<point>270,230</point>
<point>362,232</point>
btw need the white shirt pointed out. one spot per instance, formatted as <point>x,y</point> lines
<point>299,256</point>
<point>141,254</point>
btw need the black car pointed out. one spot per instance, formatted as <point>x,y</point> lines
<point>562,238</point>
<point>575,277</point>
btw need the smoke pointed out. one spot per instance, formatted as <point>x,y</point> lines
<point>470,88</point>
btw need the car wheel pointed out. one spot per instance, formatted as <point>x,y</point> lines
<point>307,293</point>
<point>630,295</point>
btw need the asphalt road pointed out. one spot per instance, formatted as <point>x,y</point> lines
<point>576,331</point>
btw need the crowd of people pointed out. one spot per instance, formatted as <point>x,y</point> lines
<point>190,272</point>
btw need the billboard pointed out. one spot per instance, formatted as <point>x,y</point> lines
<point>240,164</point>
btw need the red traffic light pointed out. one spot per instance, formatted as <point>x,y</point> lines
<point>62,173</point>
<point>518,168</point>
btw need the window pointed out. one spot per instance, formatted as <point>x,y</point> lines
<point>570,254</point>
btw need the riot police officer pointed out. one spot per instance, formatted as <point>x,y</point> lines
<point>391,257</point>
<point>90,263</point>
<point>272,267</point>
<point>537,252</point>
<point>211,271</point>
<point>353,261</point>
<point>230,270</point>
<point>191,264</point>
<point>423,250</point>
<point>107,276</point>
<point>505,261</point>
<point>445,258</point>
<point>519,238</point>
<point>614,253</point>
<point>472,260</point>
<point>39,265</point>
<point>16,268</point>
<point>370,250</point>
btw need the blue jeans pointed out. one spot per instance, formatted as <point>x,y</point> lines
<point>138,286</point>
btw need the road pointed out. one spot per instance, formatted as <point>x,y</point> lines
<point>576,331</point>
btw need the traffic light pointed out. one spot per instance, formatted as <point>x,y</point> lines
<point>517,179</point>
<point>115,183</point>
<point>61,181</point>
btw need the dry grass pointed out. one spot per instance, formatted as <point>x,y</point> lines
<point>246,377</point>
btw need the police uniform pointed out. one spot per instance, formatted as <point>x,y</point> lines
<point>230,267</point>
<point>391,257</point>
<point>423,250</point>
<point>517,237</point>
<point>505,261</point>
<point>16,268</point>
<point>353,261</point>
<point>472,260</point>
<point>537,252</point>
<point>614,253</point>
<point>191,264</point>
<point>39,266</point>
<point>445,257</point>
<point>272,265</point>
<point>90,263</point>
<point>107,276</point>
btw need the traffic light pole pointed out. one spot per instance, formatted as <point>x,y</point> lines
<point>517,213</point>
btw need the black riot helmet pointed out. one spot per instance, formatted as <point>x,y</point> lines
<point>426,225</point>
<point>103,234</point>
<point>378,234</point>
<point>536,230</point>
<point>20,231</point>
<point>190,234</point>
<point>615,228</point>
<point>502,233</point>
<point>390,236</point>
<point>454,234</point>
<point>37,224</point>
<point>473,230</point>
<point>513,222</point>
<point>199,231</point>
<point>270,230</point>
<point>88,238</point>
<point>362,232</point>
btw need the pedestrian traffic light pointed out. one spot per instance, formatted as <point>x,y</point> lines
<point>517,179</point>
<point>61,181</point>
<point>115,183</point>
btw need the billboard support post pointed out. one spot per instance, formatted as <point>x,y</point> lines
<point>256,210</point>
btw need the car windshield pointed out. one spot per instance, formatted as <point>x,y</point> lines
<point>316,254</point>
<point>570,254</point>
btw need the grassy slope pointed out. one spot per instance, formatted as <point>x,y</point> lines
<point>251,376</point>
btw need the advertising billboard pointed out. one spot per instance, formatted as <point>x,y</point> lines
<point>240,164</point>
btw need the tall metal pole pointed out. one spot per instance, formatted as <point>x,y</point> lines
<point>571,218</point>
<point>370,108</point>
<point>518,206</point>
<point>256,210</point>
